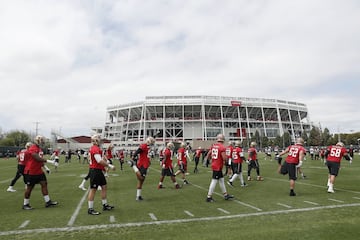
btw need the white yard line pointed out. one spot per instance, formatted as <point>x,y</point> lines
<point>335,200</point>
<point>77,210</point>
<point>24,224</point>
<point>175,221</point>
<point>284,205</point>
<point>313,203</point>
<point>189,213</point>
<point>153,217</point>
<point>223,210</point>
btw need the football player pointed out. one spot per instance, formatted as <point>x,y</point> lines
<point>166,166</point>
<point>34,173</point>
<point>182,162</point>
<point>253,162</point>
<point>238,158</point>
<point>98,162</point>
<point>140,163</point>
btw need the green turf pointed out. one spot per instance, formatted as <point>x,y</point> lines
<point>262,210</point>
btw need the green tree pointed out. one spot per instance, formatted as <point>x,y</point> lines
<point>15,138</point>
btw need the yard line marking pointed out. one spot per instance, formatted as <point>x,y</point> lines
<point>357,198</point>
<point>237,201</point>
<point>77,210</point>
<point>5,181</point>
<point>335,200</point>
<point>313,203</point>
<point>223,210</point>
<point>312,185</point>
<point>24,224</point>
<point>153,217</point>
<point>174,221</point>
<point>189,213</point>
<point>284,205</point>
<point>112,219</point>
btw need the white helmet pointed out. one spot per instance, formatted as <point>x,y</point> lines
<point>252,144</point>
<point>39,140</point>
<point>300,141</point>
<point>182,144</point>
<point>237,143</point>
<point>150,141</point>
<point>96,139</point>
<point>170,145</point>
<point>28,144</point>
<point>220,137</point>
<point>340,144</point>
<point>231,143</point>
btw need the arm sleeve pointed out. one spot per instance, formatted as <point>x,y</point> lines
<point>98,158</point>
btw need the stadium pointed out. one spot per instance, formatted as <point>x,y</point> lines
<point>201,118</point>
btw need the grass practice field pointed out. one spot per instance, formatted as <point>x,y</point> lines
<point>262,210</point>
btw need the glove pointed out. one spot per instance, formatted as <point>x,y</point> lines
<point>111,166</point>
<point>48,171</point>
<point>248,161</point>
<point>163,166</point>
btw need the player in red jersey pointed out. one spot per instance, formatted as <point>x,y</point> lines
<point>197,155</point>
<point>334,155</point>
<point>55,157</point>
<point>109,157</point>
<point>229,151</point>
<point>218,158</point>
<point>237,160</point>
<point>121,157</point>
<point>97,165</point>
<point>141,166</point>
<point>253,162</point>
<point>22,158</point>
<point>166,166</point>
<point>34,174</point>
<point>295,156</point>
<point>182,162</point>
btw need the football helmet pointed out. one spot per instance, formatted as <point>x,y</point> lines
<point>96,139</point>
<point>39,140</point>
<point>252,144</point>
<point>340,144</point>
<point>237,143</point>
<point>220,137</point>
<point>150,141</point>
<point>182,144</point>
<point>170,145</point>
<point>28,144</point>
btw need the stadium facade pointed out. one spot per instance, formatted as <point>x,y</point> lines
<point>188,118</point>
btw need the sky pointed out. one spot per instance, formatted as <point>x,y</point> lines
<point>62,63</point>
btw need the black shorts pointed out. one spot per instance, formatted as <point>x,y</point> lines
<point>97,178</point>
<point>333,167</point>
<point>237,168</point>
<point>289,168</point>
<point>34,179</point>
<point>217,175</point>
<point>183,167</point>
<point>167,172</point>
<point>143,171</point>
<point>253,164</point>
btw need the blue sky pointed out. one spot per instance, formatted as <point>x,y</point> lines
<point>62,63</point>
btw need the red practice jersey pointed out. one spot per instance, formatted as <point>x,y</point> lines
<point>167,158</point>
<point>294,153</point>
<point>335,153</point>
<point>252,154</point>
<point>23,157</point>
<point>181,156</point>
<point>144,159</point>
<point>217,161</point>
<point>109,154</point>
<point>237,155</point>
<point>93,163</point>
<point>34,167</point>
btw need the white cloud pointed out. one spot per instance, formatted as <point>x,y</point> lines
<point>63,62</point>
